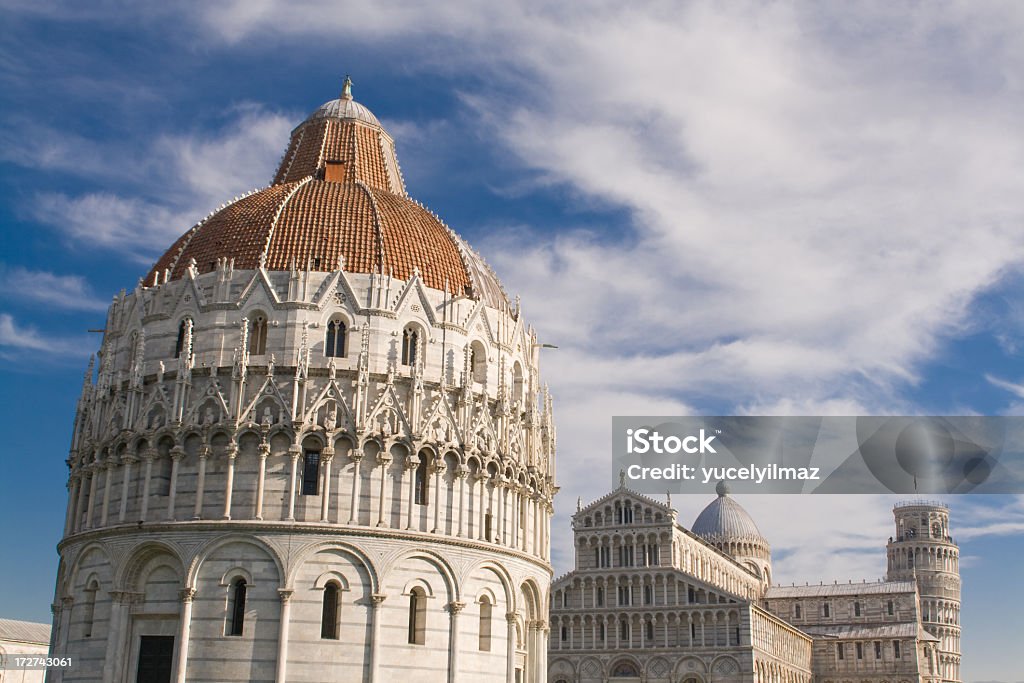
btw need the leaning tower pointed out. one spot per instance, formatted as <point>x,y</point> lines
<point>923,550</point>
<point>315,446</point>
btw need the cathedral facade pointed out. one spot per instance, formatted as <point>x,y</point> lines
<point>650,600</point>
<point>315,446</point>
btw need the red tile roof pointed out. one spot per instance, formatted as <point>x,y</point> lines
<point>364,216</point>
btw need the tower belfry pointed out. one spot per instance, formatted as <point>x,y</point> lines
<point>924,551</point>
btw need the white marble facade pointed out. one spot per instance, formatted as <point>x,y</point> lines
<point>650,600</point>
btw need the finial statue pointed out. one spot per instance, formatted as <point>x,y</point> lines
<point>622,479</point>
<point>346,88</point>
<point>579,503</point>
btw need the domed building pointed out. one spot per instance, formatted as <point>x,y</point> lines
<point>652,601</point>
<point>315,446</point>
<point>727,526</point>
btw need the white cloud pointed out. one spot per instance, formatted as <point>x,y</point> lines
<point>1015,389</point>
<point>69,292</point>
<point>980,516</point>
<point>167,186</point>
<point>15,339</point>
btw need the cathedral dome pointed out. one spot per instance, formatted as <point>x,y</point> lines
<point>725,519</point>
<point>337,201</point>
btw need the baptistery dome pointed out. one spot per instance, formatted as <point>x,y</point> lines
<point>337,199</point>
<point>315,446</point>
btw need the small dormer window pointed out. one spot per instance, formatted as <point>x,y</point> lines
<point>334,171</point>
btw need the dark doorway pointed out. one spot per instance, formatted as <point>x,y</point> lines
<point>156,654</point>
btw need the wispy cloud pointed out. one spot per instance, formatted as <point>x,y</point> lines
<point>68,292</point>
<point>1015,389</point>
<point>15,339</point>
<point>161,190</point>
<point>979,517</point>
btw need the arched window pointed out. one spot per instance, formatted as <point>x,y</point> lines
<point>600,596</point>
<point>624,630</point>
<point>422,489</point>
<point>410,344</point>
<point>417,616</point>
<point>485,624</point>
<point>650,630</point>
<point>179,345</point>
<point>334,344</point>
<point>798,611</point>
<point>329,613</point>
<point>856,608</point>
<point>311,473</point>
<point>258,335</point>
<point>236,614</point>
<point>90,608</point>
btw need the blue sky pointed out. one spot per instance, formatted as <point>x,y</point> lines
<point>744,208</point>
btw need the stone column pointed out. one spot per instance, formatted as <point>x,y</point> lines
<point>74,485</point>
<point>177,453</point>
<point>295,452</point>
<point>126,485</point>
<point>481,480</point>
<point>261,479</point>
<point>375,602</point>
<point>383,509</point>
<point>282,635</point>
<point>454,608</point>
<point>147,457</point>
<point>204,454</point>
<point>60,642</point>
<point>108,468</point>
<point>184,628</point>
<point>357,457</point>
<point>513,503</point>
<point>460,475</point>
<point>506,528</point>
<point>510,673</point>
<point>492,507</point>
<point>439,469</point>
<point>543,635</point>
<point>117,636</point>
<point>229,485</point>
<point>326,457</point>
<point>93,468</point>
<point>412,461</point>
